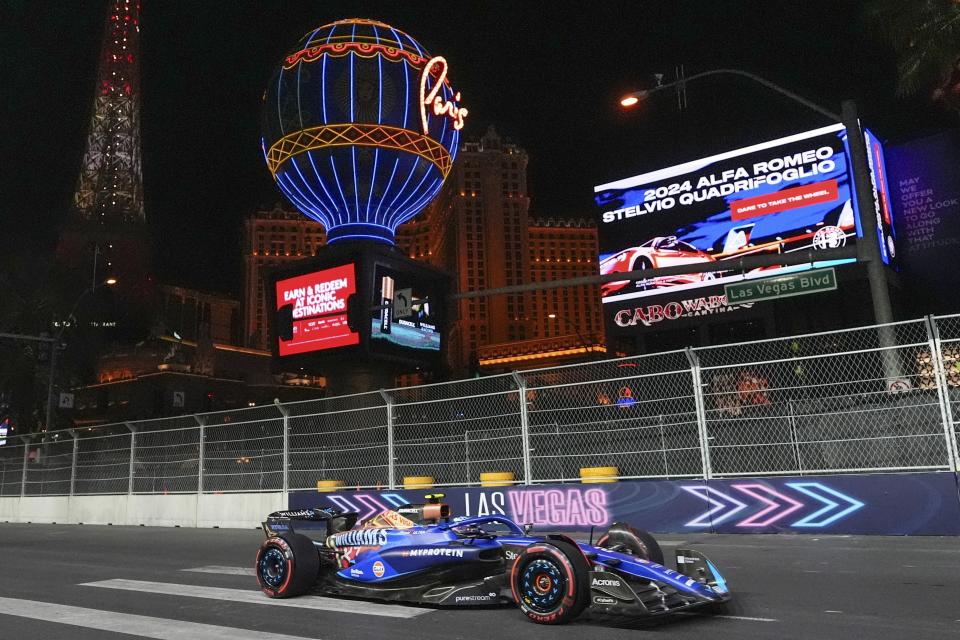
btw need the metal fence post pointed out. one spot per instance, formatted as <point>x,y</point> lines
<point>73,459</point>
<point>943,391</point>
<point>23,474</point>
<point>701,410</point>
<point>286,448</point>
<point>201,422</point>
<point>524,427</point>
<point>391,447</point>
<point>133,457</point>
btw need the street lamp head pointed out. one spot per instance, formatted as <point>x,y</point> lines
<point>630,100</point>
<point>551,315</point>
<point>110,281</point>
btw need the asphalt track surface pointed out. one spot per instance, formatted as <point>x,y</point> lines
<point>83,582</point>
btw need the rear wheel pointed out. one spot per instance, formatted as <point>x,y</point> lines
<point>287,566</point>
<point>550,582</point>
<point>636,542</point>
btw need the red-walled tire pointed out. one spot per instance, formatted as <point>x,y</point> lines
<point>637,542</point>
<point>287,566</point>
<point>551,582</point>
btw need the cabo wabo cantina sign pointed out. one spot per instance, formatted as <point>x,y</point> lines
<point>786,195</point>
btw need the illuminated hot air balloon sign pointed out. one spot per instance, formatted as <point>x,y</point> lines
<point>361,128</point>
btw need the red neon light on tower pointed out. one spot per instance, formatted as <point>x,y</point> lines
<point>110,188</point>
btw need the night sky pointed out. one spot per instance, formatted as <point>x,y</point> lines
<point>547,74</point>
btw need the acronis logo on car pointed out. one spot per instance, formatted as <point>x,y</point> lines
<point>358,538</point>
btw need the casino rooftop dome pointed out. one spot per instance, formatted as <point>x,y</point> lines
<point>361,127</point>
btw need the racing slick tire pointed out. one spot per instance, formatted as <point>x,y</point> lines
<point>287,565</point>
<point>550,582</point>
<point>637,542</point>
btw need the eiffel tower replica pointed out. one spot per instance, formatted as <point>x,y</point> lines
<point>105,237</point>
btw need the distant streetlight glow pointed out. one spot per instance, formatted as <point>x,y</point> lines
<point>111,281</point>
<point>551,315</point>
<point>629,101</point>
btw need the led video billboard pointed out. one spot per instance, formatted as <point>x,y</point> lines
<point>420,329</point>
<point>312,311</point>
<point>785,195</point>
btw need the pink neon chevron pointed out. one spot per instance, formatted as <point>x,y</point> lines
<point>751,489</point>
<point>374,507</point>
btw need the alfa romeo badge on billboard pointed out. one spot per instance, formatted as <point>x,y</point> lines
<point>829,237</point>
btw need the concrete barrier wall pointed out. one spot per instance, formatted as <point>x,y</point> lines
<point>230,510</point>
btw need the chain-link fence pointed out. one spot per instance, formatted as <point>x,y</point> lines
<point>883,398</point>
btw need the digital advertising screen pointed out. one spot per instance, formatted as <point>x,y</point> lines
<point>4,430</point>
<point>925,180</point>
<point>312,311</point>
<point>791,194</point>
<point>786,195</point>
<point>886,232</point>
<point>418,328</point>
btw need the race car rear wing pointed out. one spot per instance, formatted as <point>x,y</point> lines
<point>328,521</point>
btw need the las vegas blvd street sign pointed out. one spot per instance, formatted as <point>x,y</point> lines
<point>794,284</point>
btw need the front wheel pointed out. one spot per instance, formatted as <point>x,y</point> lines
<point>287,565</point>
<point>550,582</point>
<point>623,538</point>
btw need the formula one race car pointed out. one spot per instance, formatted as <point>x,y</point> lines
<point>418,554</point>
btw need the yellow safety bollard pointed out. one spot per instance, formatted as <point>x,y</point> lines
<point>329,485</point>
<point>593,475</point>
<point>418,482</point>
<point>496,479</point>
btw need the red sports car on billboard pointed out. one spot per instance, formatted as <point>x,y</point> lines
<point>662,251</point>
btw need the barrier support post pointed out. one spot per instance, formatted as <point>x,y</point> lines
<point>943,392</point>
<point>73,459</point>
<point>23,474</point>
<point>391,448</point>
<point>524,427</point>
<point>202,423</point>
<point>701,411</point>
<point>133,456</point>
<point>286,449</point>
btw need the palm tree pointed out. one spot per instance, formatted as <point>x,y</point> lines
<point>925,35</point>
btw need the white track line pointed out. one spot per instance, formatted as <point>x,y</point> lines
<point>142,626</point>
<point>713,615</point>
<point>227,571</point>
<point>256,597</point>
<point>751,619</point>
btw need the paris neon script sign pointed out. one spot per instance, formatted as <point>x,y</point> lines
<point>430,100</point>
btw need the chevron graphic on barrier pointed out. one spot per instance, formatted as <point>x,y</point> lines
<point>343,503</point>
<point>816,490</point>
<point>374,506</point>
<point>703,493</point>
<point>395,499</point>
<point>775,510</point>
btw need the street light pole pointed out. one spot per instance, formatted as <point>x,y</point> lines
<point>868,250</point>
<point>55,344</point>
<point>633,98</point>
<point>583,341</point>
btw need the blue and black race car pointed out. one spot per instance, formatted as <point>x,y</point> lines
<point>419,554</point>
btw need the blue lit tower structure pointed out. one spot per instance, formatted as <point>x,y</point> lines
<point>361,127</point>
